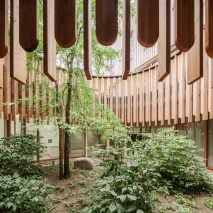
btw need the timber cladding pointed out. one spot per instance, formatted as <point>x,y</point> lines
<point>153,18</point>
<point>143,100</point>
<point>177,88</point>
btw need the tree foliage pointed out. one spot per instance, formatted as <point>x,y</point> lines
<point>135,173</point>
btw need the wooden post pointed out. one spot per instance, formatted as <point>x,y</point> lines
<point>23,126</point>
<point>8,126</point>
<point>38,141</point>
<point>205,142</point>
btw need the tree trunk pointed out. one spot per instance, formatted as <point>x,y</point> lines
<point>38,141</point>
<point>61,137</point>
<point>61,164</point>
<point>67,137</point>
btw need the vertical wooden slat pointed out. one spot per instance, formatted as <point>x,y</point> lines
<point>205,92</point>
<point>106,21</point>
<point>174,91</point>
<point>142,98</point>
<point>149,88</point>
<point>137,98</point>
<point>6,90</point>
<point>167,100</point>
<point>65,22</point>
<point>27,107</point>
<point>148,22</point>
<point>1,102</point>
<point>140,83</point>
<point>195,54</point>
<point>122,103</point>
<point>126,40</point>
<point>49,40</point>
<point>111,94</point>
<point>189,103</point>
<point>105,92</point>
<point>184,24</point>
<point>164,40</point>
<point>209,27</point>
<point>146,95</point>
<point>28,24</point>
<point>13,98</point>
<point>1,72</point>
<point>189,95</point>
<point>99,89</point>
<point>117,97</point>
<point>17,54</point>
<point>196,100</point>
<point>181,89</point>
<point>154,98</point>
<point>3,28</point>
<point>210,86</point>
<point>129,100</point>
<point>162,103</point>
<point>87,39</point>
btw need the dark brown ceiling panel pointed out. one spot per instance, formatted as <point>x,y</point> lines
<point>65,23</point>
<point>184,24</point>
<point>195,54</point>
<point>28,24</point>
<point>209,27</point>
<point>148,22</point>
<point>87,39</point>
<point>106,21</point>
<point>18,69</point>
<point>126,40</point>
<point>49,40</point>
<point>3,27</point>
<point>164,40</point>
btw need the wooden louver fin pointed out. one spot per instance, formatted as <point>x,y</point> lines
<point>106,21</point>
<point>3,27</point>
<point>87,39</point>
<point>209,27</point>
<point>195,54</point>
<point>18,68</point>
<point>126,40</point>
<point>65,22</point>
<point>148,22</point>
<point>28,24</point>
<point>184,24</point>
<point>49,40</point>
<point>164,40</point>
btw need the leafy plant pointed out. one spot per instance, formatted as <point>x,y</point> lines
<point>174,157</point>
<point>134,173</point>
<point>124,187</point>
<point>23,195</point>
<point>17,154</point>
<point>208,202</point>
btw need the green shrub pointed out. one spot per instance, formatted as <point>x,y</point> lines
<point>163,162</point>
<point>173,157</point>
<point>19,194</point>
<point>124,187</point>
<point>208,202</point>
<point>17,154</point>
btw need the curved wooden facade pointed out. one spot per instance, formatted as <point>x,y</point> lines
<point>143,100</point>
